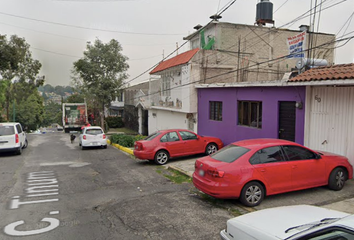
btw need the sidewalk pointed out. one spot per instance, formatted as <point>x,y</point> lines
<point>187,167</point>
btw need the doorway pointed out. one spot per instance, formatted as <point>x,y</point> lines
<point>287,120</point>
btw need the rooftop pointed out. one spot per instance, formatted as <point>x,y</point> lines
<point>335,72</point>
<point>180,59</point>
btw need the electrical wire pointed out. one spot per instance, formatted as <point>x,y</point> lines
<point>95,29</point>
<point>346,40</point>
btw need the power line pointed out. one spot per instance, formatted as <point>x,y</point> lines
<point>88,28</point>
<point>346,40</point>
<point>221,11</point>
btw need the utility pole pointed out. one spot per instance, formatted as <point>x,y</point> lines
<point>238,58</point>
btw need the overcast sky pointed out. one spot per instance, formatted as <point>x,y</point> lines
<point>58,30</point>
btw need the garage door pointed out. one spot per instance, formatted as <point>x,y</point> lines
<point>330,120</point>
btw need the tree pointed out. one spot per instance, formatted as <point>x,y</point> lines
<point>100,73</point>
<point>60,90</point>
<point>30,113</point>
<point>20,80</point>
<point>76,98</point>
<point>52,113</point>
<point>48,88</point>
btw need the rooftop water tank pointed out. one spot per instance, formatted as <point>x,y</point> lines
<point>264,12</point>
<point>311,63</point>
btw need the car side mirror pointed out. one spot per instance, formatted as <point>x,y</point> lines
<point>318,156</point>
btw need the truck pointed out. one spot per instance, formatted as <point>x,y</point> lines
<point>74,116</point>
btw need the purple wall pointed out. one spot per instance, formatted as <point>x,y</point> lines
<point>228,130</point>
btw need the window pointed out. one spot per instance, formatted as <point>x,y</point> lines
<point>94,131</point>
<point>298,153</point>
<point>19,129</point>
<point>166,85</point>
<point>120,97</point>
<point>7,130</point>
<point>188,135</point>
<point>267,155</point>
<point>152,136</point>
<point>250,113</point>
<point>229,153</point>
<point>170,137</point>
<point>331,234</point>
<point>215,110</point>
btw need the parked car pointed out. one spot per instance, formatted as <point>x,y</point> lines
<point>165,144</point>
<point>12,137</point>
<point>292,223</point>
<point>252,169</point>
<point>92,136</point>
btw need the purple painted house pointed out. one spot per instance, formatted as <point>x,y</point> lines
<point>237,112</point>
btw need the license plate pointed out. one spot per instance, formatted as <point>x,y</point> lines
<point>201,172</point>
<point>94,143</point>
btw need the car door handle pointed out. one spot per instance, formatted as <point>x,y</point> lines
<point>293,167</point>
<point>262,170</point>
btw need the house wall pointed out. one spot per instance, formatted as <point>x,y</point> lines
<point>253,50</point>
<point>161,119</point>
<point>229,131</point>
<point>329,118</point>
<point>178,110</point>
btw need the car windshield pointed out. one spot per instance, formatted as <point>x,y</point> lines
<point>6,130</point>
<point>95,131</point>
<point>152,136</point>
<point>229,153</point>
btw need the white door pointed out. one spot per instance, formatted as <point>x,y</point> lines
<point>330,119</point>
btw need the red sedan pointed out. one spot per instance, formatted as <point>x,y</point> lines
<point>165,144</point>
<point>252,169</point>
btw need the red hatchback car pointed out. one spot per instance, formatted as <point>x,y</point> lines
<point>252,169</point>
<point>165,144</point>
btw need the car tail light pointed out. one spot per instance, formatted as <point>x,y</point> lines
<point>138,146</point>
<point>84,137</point>
<point>216,173</point>
<point>17,139</point>
<point>104,136</point>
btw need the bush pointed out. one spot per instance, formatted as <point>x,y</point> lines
<point>125,140</point>
<point>114,122</point>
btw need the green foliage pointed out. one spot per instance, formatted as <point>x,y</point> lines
<point>20,80</point>
<point>177,177</point>
<point>101,72</point>
<point>76,98</point>
<point>48,88</point>
<point>115,122</point>
<point>30,113</point>
<point>125,140</point>
<point>138,137</point>
<point>52,114</point>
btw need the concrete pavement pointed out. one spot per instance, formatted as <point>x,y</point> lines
<point>322,197</point>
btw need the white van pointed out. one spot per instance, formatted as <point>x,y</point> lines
<point>12,138</point>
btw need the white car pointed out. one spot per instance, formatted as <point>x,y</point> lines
<point>92,136</point>
<point>291,222</point>
<point>12,137</point>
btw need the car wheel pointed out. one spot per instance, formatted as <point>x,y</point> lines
<point>337,179</point>
<point>211,148</point>
<point>82,147</point>
<point>161,157</point>
<point>26,144</point>
<point>19,151</point>
<point>252,194</point>
<point>105,146</point>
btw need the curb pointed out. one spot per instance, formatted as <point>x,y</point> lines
<point>180,170</point>
<point>124,149</point>
<point>129,151</point>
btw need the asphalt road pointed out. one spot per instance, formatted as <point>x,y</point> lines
<point>54,190</point>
